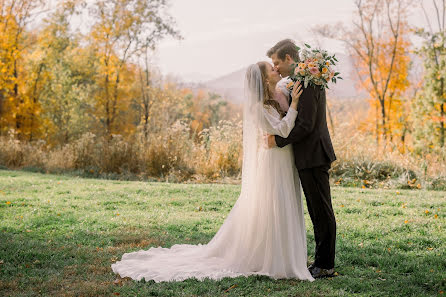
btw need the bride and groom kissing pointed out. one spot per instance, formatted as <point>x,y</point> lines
<point>287,150</point>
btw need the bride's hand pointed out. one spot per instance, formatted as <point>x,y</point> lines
<point>295,94</point>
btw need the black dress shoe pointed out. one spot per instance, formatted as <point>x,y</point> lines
<point>311,267</point>
<point>318,272</point>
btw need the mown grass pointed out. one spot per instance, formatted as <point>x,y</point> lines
<point>60,234</point>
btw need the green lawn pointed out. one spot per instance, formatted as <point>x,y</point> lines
<point>59,235</point>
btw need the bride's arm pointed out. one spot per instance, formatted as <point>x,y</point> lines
<point>277,126</point>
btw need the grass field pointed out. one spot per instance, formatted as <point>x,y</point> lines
<point>60,234</point>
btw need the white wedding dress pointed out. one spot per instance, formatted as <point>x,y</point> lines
<point>264,233</point>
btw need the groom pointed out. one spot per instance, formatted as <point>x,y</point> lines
<point>313,153</point>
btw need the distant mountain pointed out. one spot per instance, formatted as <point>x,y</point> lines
<point>230,86</point>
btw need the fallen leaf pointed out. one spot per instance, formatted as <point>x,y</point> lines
<point>230,288</point>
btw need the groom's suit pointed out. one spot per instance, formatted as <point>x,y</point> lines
<point>313,154</point>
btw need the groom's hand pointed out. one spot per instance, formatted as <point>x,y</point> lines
<point>270,141</point>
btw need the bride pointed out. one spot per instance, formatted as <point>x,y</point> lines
<point>264,233</point>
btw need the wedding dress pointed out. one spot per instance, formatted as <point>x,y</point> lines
<point>264,233</point>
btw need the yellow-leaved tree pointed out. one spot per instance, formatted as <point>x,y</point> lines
<point>122,30</point>
<point>18,107</point>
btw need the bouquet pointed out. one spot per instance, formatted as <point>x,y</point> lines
<point>315,69</point>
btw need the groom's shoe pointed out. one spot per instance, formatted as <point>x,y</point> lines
<point>318,272</point>
<point>310,268</point>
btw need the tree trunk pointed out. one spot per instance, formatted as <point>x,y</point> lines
<point>107,107</point>
<point>384,124</point>
<point>34,102</point>
<point>377,125</point>
<point>442,113</point>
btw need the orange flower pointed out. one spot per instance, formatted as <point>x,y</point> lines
<point>324,70</point>
<point>426,211</point>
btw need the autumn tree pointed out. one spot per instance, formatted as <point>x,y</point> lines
<point>67,73</point>
<point>378,42</point>
<point>430,104</point>
<point>17,108</point>
<point>123,29</point>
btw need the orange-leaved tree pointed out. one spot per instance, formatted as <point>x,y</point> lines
<point>379,46</point>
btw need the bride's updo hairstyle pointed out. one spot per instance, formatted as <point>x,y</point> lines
<point>267,96</point>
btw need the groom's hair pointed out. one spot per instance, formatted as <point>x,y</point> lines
<point>283,48</point>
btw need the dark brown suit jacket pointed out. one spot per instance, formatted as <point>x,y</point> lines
<point>310,136</point>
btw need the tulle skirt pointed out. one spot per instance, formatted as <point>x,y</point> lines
<point>263,234</point>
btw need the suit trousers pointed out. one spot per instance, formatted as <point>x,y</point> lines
<point>316,187</point>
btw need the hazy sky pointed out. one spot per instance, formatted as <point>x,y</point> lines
<point>223,36</point>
